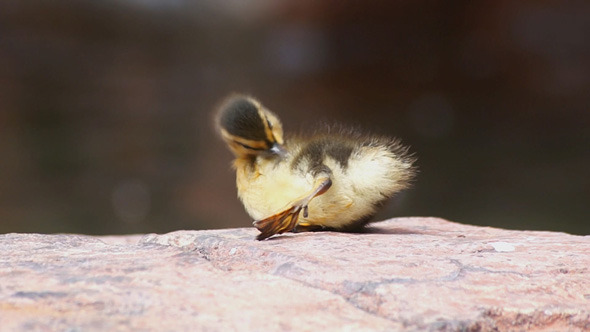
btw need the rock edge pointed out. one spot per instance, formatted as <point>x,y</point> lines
<point>404,274</point>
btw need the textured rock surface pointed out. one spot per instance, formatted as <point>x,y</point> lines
<point>406,273</point>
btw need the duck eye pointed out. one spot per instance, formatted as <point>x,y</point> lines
<point>249,147</point>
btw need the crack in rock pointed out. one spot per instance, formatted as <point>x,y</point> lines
<point>425,278</point>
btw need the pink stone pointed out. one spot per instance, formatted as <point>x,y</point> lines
<point>405,273</point>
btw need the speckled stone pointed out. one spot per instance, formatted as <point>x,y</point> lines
<point>403,274</point>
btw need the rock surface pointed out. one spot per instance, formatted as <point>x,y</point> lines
<point>404,273</point>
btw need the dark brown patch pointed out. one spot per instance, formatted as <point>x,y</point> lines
<point>317,150</point>
<point>239,116</point>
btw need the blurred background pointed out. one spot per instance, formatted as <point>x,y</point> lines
<point>105,106</point>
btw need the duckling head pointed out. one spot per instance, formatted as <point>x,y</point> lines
<point>249,129</point>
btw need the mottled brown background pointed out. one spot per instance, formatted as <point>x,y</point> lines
<point>105,106</point>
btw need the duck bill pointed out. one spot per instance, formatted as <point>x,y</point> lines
<point>278,149</point>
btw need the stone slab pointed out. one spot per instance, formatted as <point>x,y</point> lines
<point>403,274</point>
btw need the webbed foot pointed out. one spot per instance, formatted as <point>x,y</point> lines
<point>279,223</point>
<point>286,220</point>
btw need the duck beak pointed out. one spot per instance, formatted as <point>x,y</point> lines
<point>278,149</point>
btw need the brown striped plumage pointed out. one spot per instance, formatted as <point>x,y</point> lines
<point>330,181</point>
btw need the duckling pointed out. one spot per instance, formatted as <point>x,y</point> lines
<point>330,181</point>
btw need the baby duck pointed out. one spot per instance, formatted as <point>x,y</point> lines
<point>331,181</point>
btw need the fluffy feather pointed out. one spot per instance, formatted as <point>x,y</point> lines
<point>363,171</point>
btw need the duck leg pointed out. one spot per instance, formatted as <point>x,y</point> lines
<point>286,220</point>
